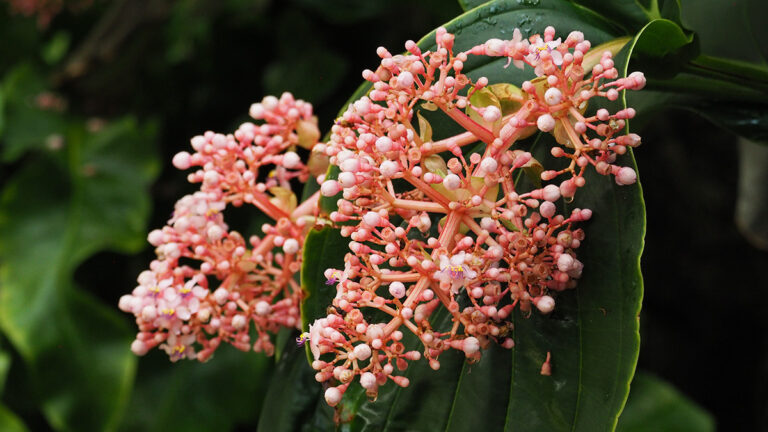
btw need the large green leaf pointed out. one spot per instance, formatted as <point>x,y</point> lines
<point>216,396</point>
<point>58,209</point>
<point>9,422</point>
<point>294,401</point>
<point>634,14</point>
<point>654,405</point>
<point>471,4</point>
<point>24,124</point>
<point>593,334</point>
<point>729,91</point>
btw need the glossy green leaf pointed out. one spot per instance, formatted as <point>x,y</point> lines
<point>471,4</point>
<point>25,124</point>
<point>5,364</point>
<point>323,249</point>
<point>9,422</point>
<point>632,15</point>
<point>57,210</point>
<point>294,400</point>
<point>654,405</point>
<point>592,335</point>
<point>225,392</point>
<point>663,48</point>
<point>730,91</point>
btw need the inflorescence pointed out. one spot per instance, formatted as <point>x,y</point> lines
<point>432,224</point>
<point>228,284</point>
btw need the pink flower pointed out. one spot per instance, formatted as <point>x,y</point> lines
<point>254,284</point>
<point>435,226</point>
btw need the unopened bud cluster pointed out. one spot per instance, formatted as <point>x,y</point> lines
<point>433,225</point>
<point>210,284</point>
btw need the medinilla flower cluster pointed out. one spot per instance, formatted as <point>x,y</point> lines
<point>210,284</point>
<point>447,236</point>
<point>433,225</point>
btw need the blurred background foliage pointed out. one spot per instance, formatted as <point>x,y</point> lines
<point>95,101</point>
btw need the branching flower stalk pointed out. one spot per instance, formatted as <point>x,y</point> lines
<point>210,284</point>
<point>435,225</point>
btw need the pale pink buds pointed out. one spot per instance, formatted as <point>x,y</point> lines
<point>452,182</point>
<point>545,123</point>
<point>626,176</point>
<point>489,165</point>
<point>291,246</point>
<point>397,289</point>
<point>491,114</point>
<point>545,304</point>
<point>470,345</point>
<point>368,380</point>
<point>333,396</point>
<point>181,160</point>
<point>371,219</point>
<point>553,96</point>
<point>384,144</point>
<point>263,308</point>
<point>388,168</point>
<point>551,193</point>
<point>404,80</point>
<point>330,188</point>
<point>362,352</point>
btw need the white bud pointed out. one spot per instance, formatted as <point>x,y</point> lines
<point>546,304</point>
<point>263,308</point>
<point>332,396</point>
<point>397,289</point>
<point>545,123</point>
<point>371,218</point>
<point>564,262</point>
<point>368,380</point>
<point>291,160</point>
<point>470,345</point>
<point>347,179</point>
<point>489,165</point>
<point>291,246</point>
<point>404,80</point>
<point>238,322</point>
<point>626,176</point>
<point>553,96</point>
<point>384,144</point>
<point>362,352</point>
<point>330,188</point>
<point>388,168</point>
<point>551,193</point>
<point>181,160</point>
<point>451,182</point>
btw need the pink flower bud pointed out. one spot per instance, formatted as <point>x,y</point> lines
<point>368,380</point>
<point>470,345</point>
<point>553,96</point>
<point>452,182</point>
<point>545,123</point>
<point>384,144</point>
<point>291,160</point>
<point>333,396</point>
<point>545,304</point>
<point>181,160</point>
<point>362,352</point>
<point>626,176</point>
<point>330,188</point>
<point>397,289</point>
